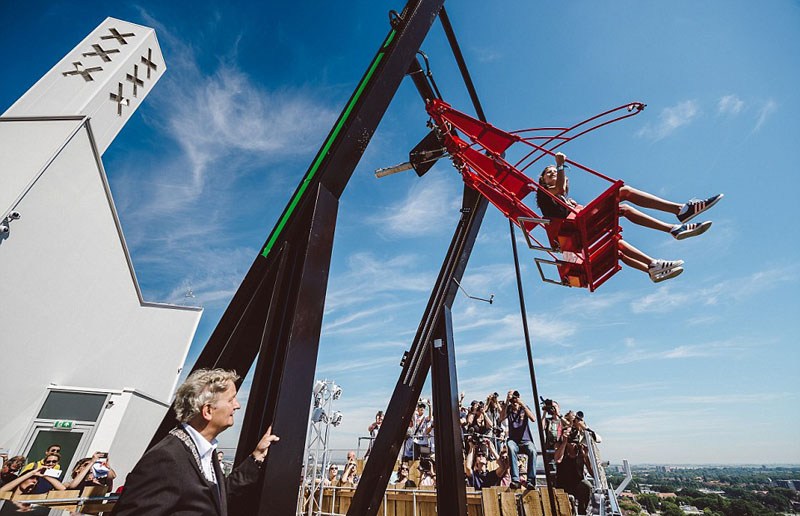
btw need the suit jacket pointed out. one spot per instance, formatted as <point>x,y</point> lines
<point>168,480</point>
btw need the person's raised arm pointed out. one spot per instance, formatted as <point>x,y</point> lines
<point>504,408</point>
<point>57,485</point>
<point>561,178</point>
<point>11,486</point>
<point>470,459</point>
<point>528,412</point>
<point>561,447</point>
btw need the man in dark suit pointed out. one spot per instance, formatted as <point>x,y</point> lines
<point>181,475</point>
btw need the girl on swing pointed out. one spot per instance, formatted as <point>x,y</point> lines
<point>555,181</point>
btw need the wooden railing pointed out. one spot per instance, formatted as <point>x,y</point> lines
<point>91,500</point>
<point>494,501</point>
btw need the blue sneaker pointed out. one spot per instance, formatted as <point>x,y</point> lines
<point>695,207</point>
<point>691,229</point>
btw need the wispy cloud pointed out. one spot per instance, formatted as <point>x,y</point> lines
<point>764,112</point>
<point>730,105</point>
<point>217,130</point>
<point>670,119</point>
<point>383,278</point>
<point>667,299</point>
<point>426,206</point>
<point>706,349</point>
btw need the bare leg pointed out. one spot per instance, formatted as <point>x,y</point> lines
<point>643,219</point>
<point>633,257</point>
<point>646,200</point>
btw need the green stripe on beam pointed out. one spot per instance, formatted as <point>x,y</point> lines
<point>325,148</point>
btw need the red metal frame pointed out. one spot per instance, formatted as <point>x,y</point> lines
<point>590,234</point>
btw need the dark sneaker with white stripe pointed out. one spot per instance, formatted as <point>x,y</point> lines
<point>691,229</point>
<point>665,275</point>
<point>695,207</point>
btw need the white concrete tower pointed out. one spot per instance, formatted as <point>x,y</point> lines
<point>86,362</point>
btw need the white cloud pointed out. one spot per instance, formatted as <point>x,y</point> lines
<point>428,204</point>
<point>215,128</point>
<point>667,299</point>
<point>766,110</point>
<point>730,105</point>
<point>670,119</point>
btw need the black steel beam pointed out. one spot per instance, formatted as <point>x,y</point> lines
<point>451,491</point>
<point>416,363</point>
<point>229,345</point>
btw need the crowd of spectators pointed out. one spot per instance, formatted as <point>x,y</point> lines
<point>499,447</point>
<point>19,475</point>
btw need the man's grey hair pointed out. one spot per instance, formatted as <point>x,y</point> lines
<point>200,388</point>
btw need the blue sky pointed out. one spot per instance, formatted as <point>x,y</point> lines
<point>703,368</point>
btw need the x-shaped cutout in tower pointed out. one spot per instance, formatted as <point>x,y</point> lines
<point>101,53</point>
<point>119,37</point>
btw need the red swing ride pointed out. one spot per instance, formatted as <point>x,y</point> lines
<point>587,238</point>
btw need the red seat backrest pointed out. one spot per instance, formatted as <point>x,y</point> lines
<point>591,234</point>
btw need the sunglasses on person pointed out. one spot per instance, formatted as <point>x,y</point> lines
<point>50,462</point>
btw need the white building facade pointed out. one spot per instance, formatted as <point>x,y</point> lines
<point>85,361</point>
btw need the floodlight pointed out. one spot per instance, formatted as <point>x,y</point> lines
<point>337,392</point>
<point>319,415</point>
<point>336,418</point>
<point>319,388</point>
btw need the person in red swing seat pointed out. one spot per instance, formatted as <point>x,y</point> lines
<point>555,181</point>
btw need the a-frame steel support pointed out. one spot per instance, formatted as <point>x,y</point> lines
<point>435,324</point>
<point>277,311</point>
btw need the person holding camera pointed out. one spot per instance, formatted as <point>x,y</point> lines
<point>493,409</point>
<point>520,439</point>
<point>402,481</point>
<point>571,457</point>
<point>373,430</point>
<point>11,468</point>
<point>53,449</point>
<point>479,426</point>
<point>92,472</point>
<point>349,473</point>
<point>417,435</point>
<point>476,467</point>
<point>427,473</point>
<point>552,426</point>
<point>35,481</point>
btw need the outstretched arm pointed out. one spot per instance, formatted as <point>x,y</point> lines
<point>9,487</point>
<point>561,177</point>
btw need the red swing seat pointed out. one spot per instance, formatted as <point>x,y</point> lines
<point>588,238</point>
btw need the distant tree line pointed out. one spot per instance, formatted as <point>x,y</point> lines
<point>747,491</point>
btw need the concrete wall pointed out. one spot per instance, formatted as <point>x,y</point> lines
<point>72,313</point>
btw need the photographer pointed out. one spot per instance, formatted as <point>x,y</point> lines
<point>476,467</point>
<point>373,430</point>
<point>34,482</point>
<point>571,457</point>
<point>479,425</point>
<point>493,409</point>
<point>402,481</point>
<point>427,473</point>
<point>349,473</point>
<point>11,468</point>
<point>552,426</point>
<point>519,437</point>
<point>416,444</point>
<point>93,472</point>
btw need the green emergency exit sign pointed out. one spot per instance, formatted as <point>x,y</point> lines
<point>63,425</point>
